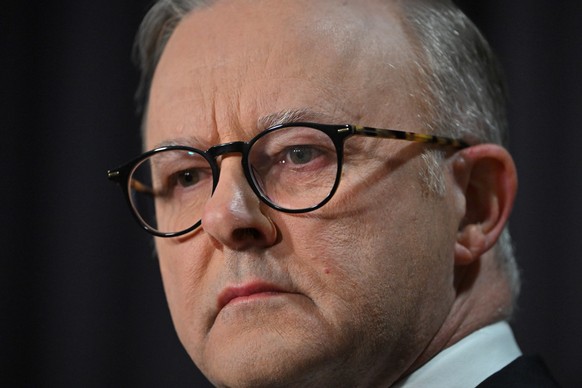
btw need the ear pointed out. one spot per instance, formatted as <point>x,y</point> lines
<point>487,177</point>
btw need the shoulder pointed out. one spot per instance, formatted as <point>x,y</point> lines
<point>523,372</point>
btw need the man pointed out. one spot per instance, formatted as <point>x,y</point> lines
<point>328,254</point>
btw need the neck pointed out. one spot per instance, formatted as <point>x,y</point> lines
<point>483,297</point>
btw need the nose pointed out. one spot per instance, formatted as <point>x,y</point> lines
<point>234,216</point>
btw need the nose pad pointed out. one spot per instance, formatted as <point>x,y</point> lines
<point>234,216</point>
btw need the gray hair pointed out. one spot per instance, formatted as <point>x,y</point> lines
<point>153,35</point>
<point>465,94</point>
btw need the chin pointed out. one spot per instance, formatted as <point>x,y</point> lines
<point>298,352</point>
<point>275,369</point>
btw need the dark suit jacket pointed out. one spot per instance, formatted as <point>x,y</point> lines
<point>523,372</point>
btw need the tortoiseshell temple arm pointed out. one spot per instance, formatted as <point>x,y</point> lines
<point>141,188</point>
<point>409,136</point>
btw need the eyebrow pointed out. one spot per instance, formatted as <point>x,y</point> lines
<point>291,115</point>
<point>190,141</point>
<point>264,122</point>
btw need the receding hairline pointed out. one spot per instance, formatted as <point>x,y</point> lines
<point>158,27</point>
<point>376,36</point>
<point>361,17</point>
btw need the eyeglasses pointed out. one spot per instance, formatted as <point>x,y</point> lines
<point>292,167</point>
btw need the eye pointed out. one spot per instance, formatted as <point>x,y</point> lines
<point>302,154</point>
<point>187,178</point>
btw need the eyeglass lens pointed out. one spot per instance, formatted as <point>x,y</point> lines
<point>292,168</point>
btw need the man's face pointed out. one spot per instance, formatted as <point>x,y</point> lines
<point>349,294</point>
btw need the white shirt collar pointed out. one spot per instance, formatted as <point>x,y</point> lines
<point>468,362</point>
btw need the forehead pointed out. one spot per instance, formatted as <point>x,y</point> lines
<point>236,61</point>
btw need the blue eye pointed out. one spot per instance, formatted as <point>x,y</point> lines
<point>301,154</point>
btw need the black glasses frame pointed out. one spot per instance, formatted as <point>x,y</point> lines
<point>337,133</point>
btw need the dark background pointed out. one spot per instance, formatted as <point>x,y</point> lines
<point>80,295</point>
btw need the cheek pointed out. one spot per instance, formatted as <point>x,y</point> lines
<point>334,261</point>
<point>393,256</point>
<point>373,278</point>
<point>175,284</point>
<point>183,275</point>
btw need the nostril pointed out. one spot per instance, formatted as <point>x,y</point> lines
<point>244,234</point>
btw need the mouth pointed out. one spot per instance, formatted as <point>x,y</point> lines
<point>246,293</point>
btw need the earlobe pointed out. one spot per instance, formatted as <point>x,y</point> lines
<point>488,179</point>
<point>471,243</point>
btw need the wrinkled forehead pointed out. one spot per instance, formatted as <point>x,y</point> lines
<point>357,48</point>
<point>235,30</point>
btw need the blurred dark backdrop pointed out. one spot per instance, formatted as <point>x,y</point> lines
<point>80,295</point>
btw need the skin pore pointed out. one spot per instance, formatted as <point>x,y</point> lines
<point>373,284</point>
